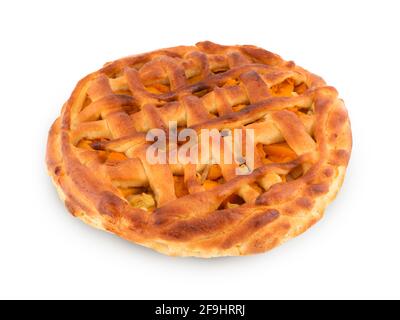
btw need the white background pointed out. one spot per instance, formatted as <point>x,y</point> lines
<point>47,46</point>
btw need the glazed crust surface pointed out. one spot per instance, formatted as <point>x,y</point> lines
<point>207,86</point>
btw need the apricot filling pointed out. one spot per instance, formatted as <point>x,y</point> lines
<point>209,184</point>
<point>127,192</point>
<point>231,83</point>
<point>279,153</point>
<point>283,89</point>
<point>214,172</point>
<point>158,88</point>
<point>180,186</point>
<point>85,144</point>
<point>142,201</point>
<point>287,88</point>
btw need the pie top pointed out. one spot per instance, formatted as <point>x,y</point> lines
<point>302,140</point>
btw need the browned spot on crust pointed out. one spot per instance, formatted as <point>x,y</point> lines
<point>57,171</point>
<point>71,208</point>
<point>328,172</point>
<point>289,210</point>
<point>110,205</point>
<point>262,55</point>
<point>318,189</point>
<point>270,239</point>
<point>263,219</point>
<point>305,203</point>
<point>276,194</point>
<point>337,120</point>
<point>251,226</point>
<point>340,158</point>
<point>186,230</point>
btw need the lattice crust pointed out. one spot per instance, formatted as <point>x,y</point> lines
<point>96,150</point>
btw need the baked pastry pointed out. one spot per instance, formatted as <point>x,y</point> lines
<point>96,152</point>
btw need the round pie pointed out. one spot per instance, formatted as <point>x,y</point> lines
<point>97,150</point>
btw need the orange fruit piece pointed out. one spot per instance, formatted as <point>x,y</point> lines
<point>284,89</point>
<point>215,172</point>
<point>208,184</point>
<point>116,157</point>
<point>280,152</point>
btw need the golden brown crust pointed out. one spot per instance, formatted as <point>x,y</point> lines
<point>200,87</point>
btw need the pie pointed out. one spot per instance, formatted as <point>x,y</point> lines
<point>96,154</point>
